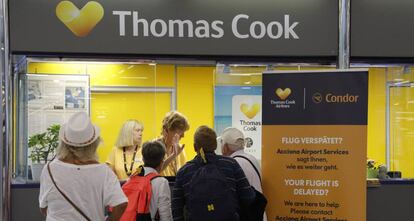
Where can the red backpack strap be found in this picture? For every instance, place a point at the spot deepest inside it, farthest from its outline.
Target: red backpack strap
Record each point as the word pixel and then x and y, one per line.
pixel 144 199
pixel 152 176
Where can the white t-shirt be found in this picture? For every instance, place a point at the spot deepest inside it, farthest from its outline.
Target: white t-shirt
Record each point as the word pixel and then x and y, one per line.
pixel 90 187
pixel 248 170
pixel 161 197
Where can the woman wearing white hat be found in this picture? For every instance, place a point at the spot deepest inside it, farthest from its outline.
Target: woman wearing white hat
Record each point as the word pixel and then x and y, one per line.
pixel 75 186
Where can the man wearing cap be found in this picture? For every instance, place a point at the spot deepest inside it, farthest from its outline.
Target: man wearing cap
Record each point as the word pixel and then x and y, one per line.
pixel 232 145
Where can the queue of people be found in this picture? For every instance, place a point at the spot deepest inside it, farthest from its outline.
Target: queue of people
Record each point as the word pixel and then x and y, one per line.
pixel 75 186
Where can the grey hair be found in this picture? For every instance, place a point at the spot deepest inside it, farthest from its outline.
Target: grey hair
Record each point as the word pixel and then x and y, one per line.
pixel 238 145
pixel 84 153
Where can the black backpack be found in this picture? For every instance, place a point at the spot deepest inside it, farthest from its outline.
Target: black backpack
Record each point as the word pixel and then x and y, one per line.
pixel 210 196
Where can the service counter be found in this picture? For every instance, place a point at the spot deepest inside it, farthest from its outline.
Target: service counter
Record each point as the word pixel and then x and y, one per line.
pixel 387 200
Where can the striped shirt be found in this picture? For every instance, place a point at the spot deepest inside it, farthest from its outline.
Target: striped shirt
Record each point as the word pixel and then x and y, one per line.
pixel 229 168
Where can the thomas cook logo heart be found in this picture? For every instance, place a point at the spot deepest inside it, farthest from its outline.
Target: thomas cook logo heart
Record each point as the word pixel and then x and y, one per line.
pixel 283 94
pixel 250 112
pixel 82 21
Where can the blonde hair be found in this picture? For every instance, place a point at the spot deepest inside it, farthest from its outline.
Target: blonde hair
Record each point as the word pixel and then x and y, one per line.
pixel 175 120
pixel 83 153
pixel 125 137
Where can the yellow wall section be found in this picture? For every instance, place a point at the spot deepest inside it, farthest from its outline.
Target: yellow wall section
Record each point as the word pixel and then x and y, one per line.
pixel 142 75
pixel 376 114
pixel 110 110
pixel 165 76
pixel 195 100
pixel 248 76
pixel 401 126
pixel 402 130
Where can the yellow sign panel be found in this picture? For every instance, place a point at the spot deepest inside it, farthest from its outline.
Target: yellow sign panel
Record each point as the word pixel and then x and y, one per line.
pixel 311 171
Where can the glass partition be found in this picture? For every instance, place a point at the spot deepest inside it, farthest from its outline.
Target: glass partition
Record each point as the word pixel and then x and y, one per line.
pixel 47 92
pixel 400 120
pixel 238 97
pixel 390 111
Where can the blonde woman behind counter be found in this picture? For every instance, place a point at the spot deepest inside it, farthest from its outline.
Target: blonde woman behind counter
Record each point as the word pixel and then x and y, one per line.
pixel 126 156
pixel 174 125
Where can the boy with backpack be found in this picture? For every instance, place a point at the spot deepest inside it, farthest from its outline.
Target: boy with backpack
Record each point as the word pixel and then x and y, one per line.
pixel 148 193
pixel 210 187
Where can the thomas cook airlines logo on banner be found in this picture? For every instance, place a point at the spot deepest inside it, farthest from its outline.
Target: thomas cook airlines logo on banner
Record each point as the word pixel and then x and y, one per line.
pixel 283 98
pixel 283 93
pixel 80 21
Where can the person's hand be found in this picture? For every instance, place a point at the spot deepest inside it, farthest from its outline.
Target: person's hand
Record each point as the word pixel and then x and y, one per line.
pixel 177 148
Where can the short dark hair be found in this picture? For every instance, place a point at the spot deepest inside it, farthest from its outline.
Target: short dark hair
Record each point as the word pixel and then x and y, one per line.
pixel 153 153
pixel 205 138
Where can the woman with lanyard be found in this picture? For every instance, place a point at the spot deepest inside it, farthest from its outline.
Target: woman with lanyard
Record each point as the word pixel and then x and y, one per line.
pixel 174 125
pixel 126 156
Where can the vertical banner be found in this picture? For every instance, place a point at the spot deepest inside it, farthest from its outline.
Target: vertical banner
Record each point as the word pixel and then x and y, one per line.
pixel 247 117
pixel 314 138
pixel 240 107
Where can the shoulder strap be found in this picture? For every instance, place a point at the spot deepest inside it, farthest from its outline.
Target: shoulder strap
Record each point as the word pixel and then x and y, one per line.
pixel 148 188
pixel 152 176
pixel 64 196
pixel 257 171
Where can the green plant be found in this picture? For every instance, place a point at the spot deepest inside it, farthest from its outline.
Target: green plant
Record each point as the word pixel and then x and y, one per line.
pixel 376 170
pixel 44 144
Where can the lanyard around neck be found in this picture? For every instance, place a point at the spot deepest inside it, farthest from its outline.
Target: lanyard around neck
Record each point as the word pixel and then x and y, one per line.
pixel 129 172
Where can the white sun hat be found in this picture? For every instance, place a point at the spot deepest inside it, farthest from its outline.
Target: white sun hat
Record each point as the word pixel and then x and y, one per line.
pixel 79 130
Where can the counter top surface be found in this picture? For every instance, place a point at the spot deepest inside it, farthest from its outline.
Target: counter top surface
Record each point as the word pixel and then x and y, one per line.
pixel 171 180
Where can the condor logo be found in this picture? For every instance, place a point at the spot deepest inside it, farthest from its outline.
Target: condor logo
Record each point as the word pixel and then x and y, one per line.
pixel 346 98
pixel 335 98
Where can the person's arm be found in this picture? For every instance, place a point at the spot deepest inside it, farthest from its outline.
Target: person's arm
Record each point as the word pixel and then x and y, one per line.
pixel 114 196
pixel 177 149
pixel 43 211
pixel 117 212
pixel 164 201
pixel 111 160
pixel 244 190
pixel 45 183
pixel 178 200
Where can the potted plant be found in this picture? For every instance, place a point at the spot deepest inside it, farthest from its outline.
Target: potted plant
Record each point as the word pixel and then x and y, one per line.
pixel 42 148
pixel 376 170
